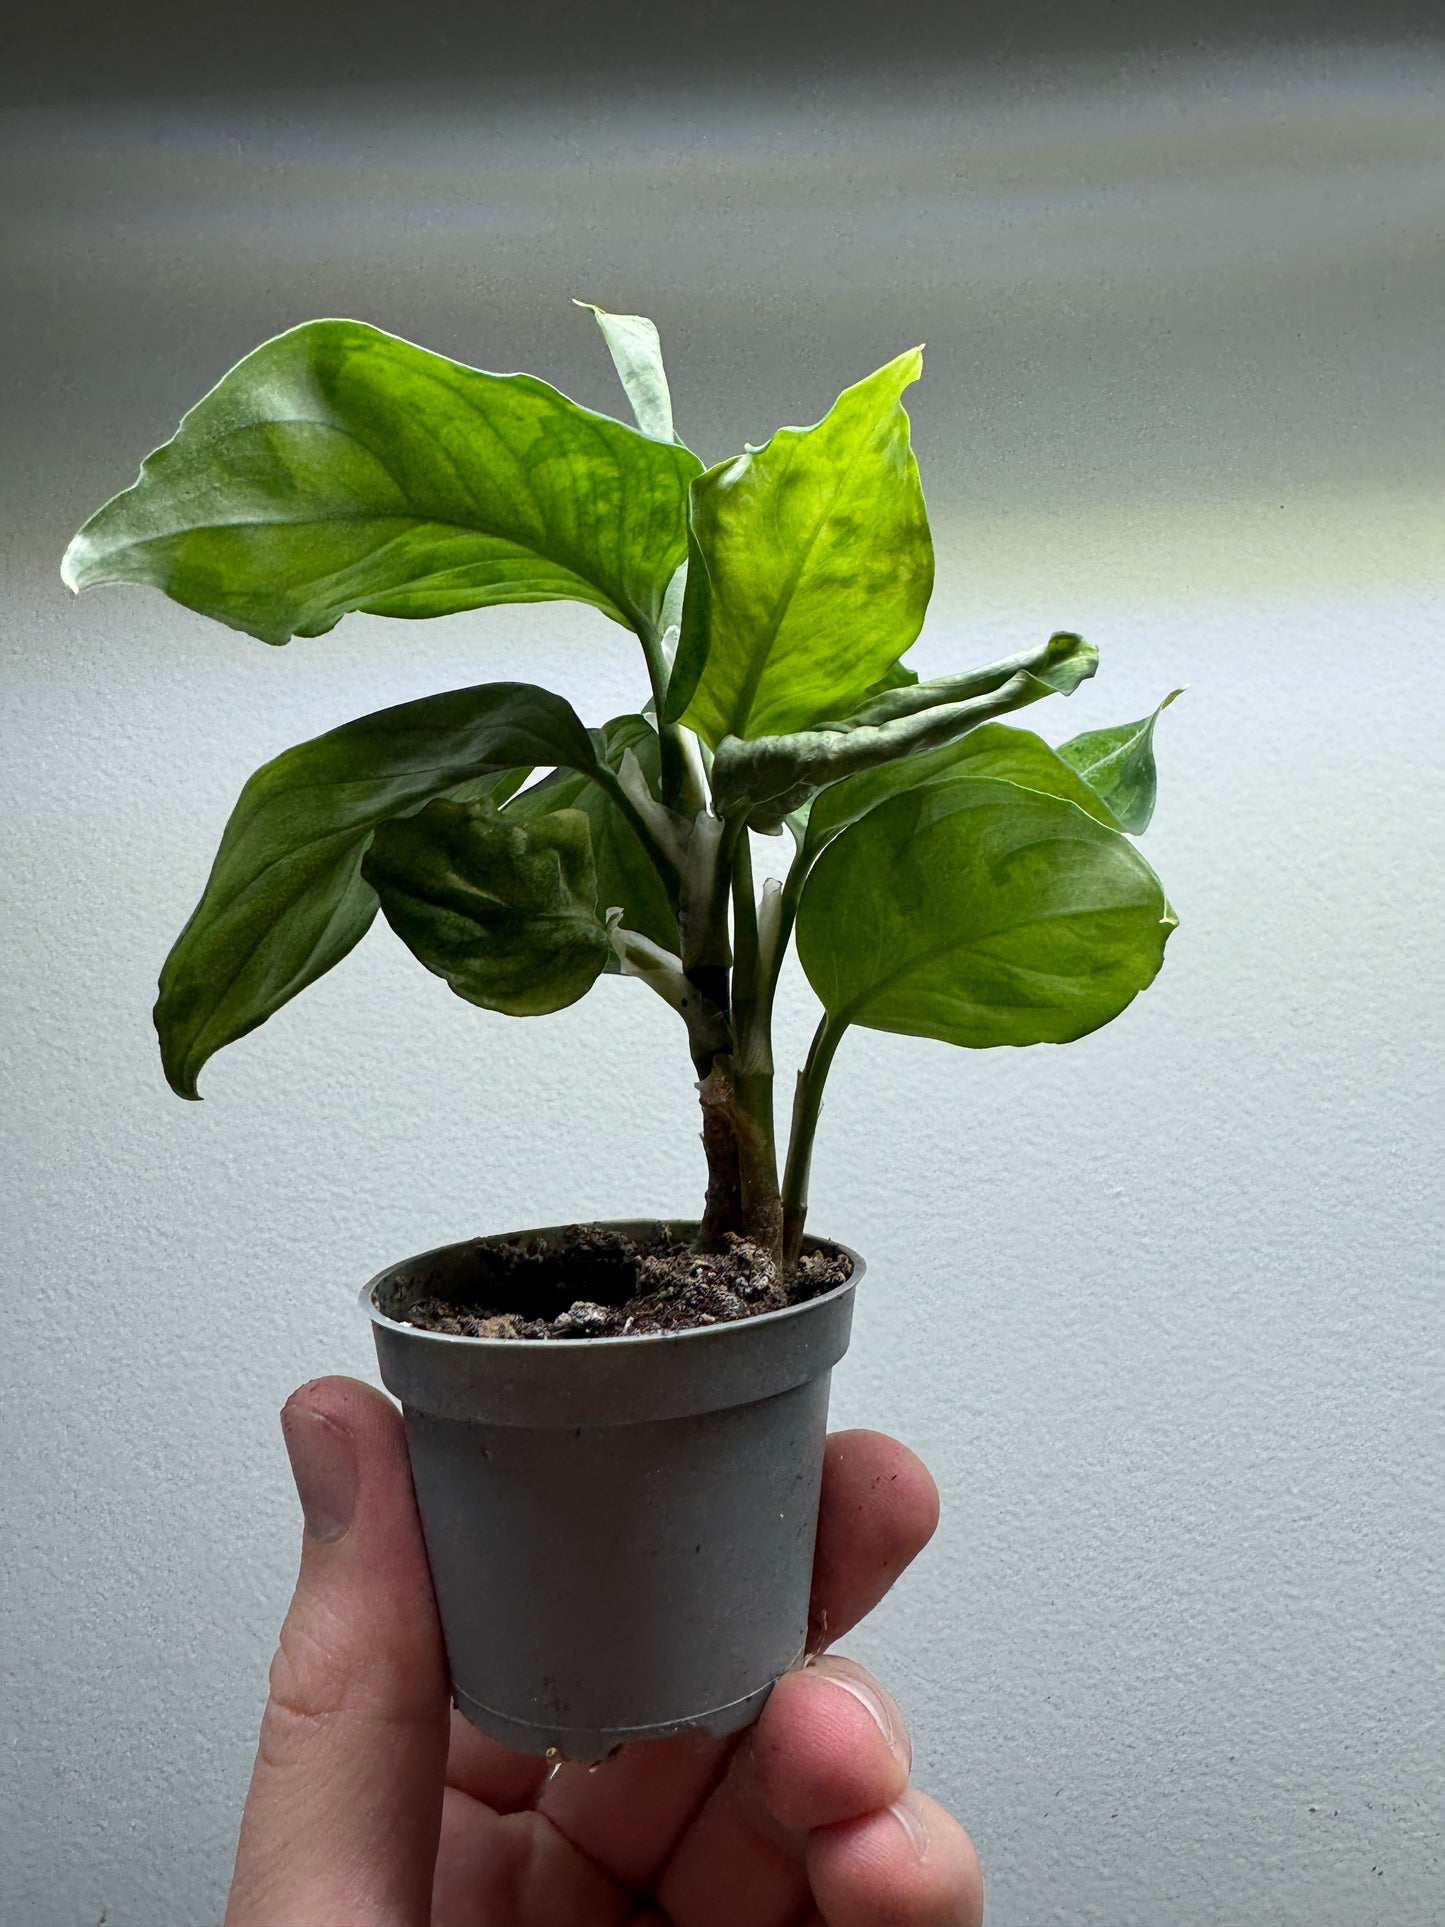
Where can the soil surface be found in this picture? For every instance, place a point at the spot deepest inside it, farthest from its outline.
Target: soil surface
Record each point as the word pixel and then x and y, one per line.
pixel 591 1282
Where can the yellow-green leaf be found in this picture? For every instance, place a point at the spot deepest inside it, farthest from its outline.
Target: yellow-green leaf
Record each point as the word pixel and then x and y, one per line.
pixel 810 568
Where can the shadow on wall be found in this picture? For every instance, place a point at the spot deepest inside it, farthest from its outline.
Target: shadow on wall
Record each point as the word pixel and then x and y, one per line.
pixel 1181 331
pixel 171 47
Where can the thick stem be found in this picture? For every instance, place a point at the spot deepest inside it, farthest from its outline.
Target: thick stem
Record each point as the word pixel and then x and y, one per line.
pixel 753 1064
pixel 702 919
pixel 807 1104
pixel 723 1209
pixel 736 1086
pixel 742 1191
pixel 758 1161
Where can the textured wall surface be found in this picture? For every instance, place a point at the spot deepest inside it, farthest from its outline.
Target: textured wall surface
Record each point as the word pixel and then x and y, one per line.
pixel 1163 1311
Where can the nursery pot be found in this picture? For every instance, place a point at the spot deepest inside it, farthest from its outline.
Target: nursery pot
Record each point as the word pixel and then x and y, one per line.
pixel 620 1530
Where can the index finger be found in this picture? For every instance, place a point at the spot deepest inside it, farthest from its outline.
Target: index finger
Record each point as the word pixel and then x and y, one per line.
pixel 879 1509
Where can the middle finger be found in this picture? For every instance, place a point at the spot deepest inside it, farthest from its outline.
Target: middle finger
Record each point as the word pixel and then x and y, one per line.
pixel 831 1746
pixel 879 1508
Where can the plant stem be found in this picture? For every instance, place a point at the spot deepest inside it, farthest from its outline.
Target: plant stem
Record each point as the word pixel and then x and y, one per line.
pixel 752 1066
pixel 807 1104
pixel 782 930
pixel 736 1083
pixel 754 1046
pixel 702 915
pixel 707 964
pixel 675 770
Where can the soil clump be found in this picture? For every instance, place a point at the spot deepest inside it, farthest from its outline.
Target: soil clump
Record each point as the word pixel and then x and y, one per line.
pixel 593 1282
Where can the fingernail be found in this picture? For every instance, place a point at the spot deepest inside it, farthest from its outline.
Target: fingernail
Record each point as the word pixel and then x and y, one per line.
pixel 909 1815
pixel 323 1464
pixel 852 1679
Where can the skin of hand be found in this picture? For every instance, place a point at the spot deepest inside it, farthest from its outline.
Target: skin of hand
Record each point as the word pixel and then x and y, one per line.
pixel 373 1804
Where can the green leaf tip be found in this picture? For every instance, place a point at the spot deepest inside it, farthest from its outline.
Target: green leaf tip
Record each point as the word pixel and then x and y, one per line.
pixel 1068 662
pixel 1118 764
pixel 636 351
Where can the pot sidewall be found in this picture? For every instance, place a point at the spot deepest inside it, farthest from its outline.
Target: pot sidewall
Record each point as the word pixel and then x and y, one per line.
pixel 620 1530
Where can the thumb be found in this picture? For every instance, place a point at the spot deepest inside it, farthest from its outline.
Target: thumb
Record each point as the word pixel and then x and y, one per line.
pixel 344 1810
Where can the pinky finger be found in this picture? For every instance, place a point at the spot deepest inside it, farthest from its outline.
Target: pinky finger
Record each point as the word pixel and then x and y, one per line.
pixel 908 1865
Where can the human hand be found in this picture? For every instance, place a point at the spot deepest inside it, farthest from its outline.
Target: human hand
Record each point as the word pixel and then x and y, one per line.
pixel 372 1804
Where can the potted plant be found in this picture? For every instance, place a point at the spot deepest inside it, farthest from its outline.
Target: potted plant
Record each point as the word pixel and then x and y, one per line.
pixel 616 1430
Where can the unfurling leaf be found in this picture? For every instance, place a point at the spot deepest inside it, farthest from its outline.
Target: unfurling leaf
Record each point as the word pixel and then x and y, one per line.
pixel 810 567
pixel 286 899
pixel 338 468
pixel 771 776
pixel 637 356
pixel 504 910
pixel 1118 764
pixel 981 914
pixel 1057 668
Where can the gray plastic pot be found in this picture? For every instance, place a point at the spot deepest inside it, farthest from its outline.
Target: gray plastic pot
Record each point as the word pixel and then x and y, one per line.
pixel 620 1530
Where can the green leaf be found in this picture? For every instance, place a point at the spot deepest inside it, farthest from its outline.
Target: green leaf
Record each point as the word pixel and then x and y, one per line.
pixel 771 776
pixel 627 879
pixel 338 468
pixel 995 752
pixel 503 909
pixel 506 786
pixel 1118 764
pixel 810 567
pixel 900 676
pixel 1056 669
pixel 637 356
pixel 981 914
pixel 286 899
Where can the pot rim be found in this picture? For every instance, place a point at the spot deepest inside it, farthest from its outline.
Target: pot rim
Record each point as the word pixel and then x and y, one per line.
pixel 591 1345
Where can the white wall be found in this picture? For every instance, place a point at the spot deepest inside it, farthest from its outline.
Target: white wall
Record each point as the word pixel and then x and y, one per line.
pixel 1162 1311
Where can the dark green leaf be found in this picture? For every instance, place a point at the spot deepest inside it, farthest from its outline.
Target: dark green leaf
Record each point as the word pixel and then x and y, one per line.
pixel 286 899
pixel 810 567
pixel 637 356
pixel 626 877
pixel 1118 763
pixel 771 776
pixel 981 914
pixel 504 909
pixel 506 786
pixel 338 468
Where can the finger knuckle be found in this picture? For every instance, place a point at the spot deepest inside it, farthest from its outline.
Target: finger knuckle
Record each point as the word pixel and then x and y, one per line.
pixel 307 1689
